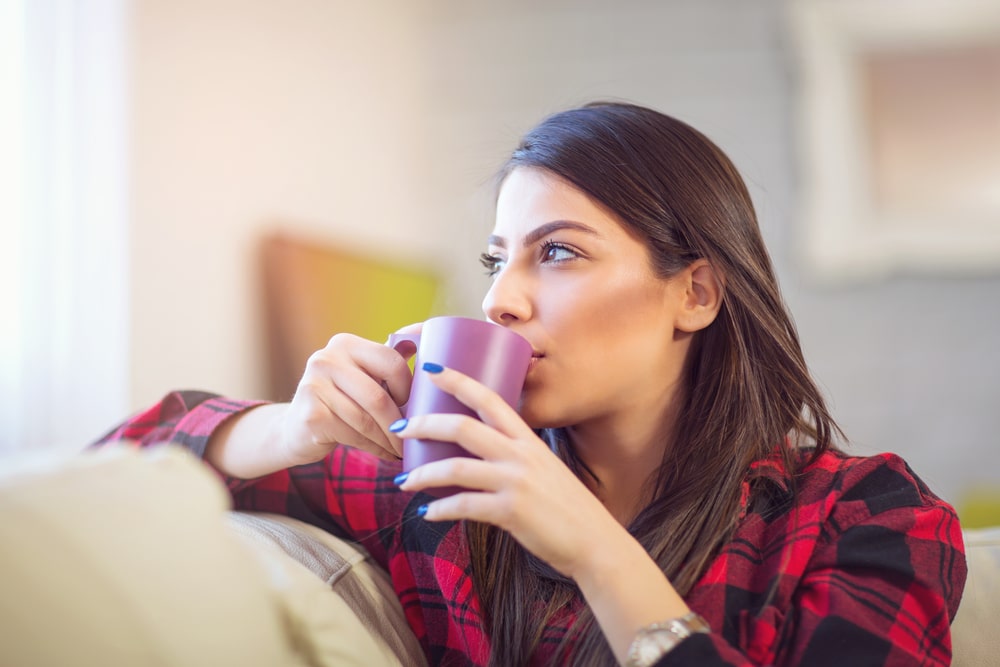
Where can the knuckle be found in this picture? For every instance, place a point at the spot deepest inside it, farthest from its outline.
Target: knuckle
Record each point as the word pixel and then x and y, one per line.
pixel 377 398
pixel 319 363
pixel 341 340
pixel 309 387
pixel 463 427
pixel 367 424
pixel 338 347
pixel 506 508
pixel 458 466
pixel 316 357
pixel 398 365
pixel 461 504
pixel 307 396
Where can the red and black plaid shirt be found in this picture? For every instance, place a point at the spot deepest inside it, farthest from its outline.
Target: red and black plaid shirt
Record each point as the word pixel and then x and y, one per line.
pixel 868 571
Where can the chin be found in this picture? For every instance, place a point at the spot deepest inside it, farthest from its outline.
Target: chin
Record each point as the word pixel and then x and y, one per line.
pixel 527 408
pixel 538 416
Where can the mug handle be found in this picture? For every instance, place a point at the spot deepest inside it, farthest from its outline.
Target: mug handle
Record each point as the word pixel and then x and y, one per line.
pixel 397 339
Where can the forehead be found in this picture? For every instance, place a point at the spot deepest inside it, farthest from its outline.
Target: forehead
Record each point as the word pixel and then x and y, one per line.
pixel 530 197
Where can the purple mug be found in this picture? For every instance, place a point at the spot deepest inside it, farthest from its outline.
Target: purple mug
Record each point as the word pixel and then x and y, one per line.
pixel 487 352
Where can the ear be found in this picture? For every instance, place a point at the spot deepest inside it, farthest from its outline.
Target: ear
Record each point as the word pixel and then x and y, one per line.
pixel 701 295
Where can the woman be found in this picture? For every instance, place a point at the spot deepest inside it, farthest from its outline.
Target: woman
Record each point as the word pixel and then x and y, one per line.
pixel 667 493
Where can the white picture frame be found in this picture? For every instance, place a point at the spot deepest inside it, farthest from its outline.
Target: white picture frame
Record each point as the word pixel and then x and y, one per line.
pixel 883 191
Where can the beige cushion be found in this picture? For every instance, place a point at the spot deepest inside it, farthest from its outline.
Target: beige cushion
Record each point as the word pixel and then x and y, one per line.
pixel 126 557
pixel 116 558
pixel 976 630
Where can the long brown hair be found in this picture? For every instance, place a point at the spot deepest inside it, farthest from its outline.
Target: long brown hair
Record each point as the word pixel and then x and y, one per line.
pixel 747 386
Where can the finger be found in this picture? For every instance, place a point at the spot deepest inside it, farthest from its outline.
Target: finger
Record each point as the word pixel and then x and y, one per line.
pixel 381 363
pixel 352 421
pixel 462 471
pixel 472 435
pixel 317 414
pixel 492 409
pixel 367 393
pixel 484 507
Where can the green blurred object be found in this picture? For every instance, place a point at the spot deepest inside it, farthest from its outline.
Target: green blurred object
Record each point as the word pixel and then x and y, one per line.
pixel 980 508
pixel 314 290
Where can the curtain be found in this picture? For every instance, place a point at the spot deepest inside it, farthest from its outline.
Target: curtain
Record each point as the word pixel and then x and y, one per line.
pixel 63 211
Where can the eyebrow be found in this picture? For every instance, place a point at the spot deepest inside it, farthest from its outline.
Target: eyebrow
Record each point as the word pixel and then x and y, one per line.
pixel 542 231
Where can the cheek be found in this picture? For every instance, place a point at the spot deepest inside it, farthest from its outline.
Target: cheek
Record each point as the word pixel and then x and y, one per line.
pixel 629 306
pixel 614 307
pixel 562 309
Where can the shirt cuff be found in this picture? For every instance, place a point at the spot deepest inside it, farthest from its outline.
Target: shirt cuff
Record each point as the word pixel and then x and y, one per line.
pixel 200 422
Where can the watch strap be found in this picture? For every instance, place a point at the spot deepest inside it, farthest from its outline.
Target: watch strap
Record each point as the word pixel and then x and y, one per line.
pixel 657 639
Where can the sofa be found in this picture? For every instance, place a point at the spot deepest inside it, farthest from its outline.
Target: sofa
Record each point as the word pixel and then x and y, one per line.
pixel 119 556
pixel 127 557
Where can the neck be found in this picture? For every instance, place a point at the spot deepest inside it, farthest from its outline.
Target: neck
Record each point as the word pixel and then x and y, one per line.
pixel 623 451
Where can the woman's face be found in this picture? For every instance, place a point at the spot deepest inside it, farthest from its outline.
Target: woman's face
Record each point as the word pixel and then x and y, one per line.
pixel 569 278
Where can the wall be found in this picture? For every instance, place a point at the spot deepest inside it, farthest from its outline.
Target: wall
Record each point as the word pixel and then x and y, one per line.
pixel 251 114
pixel 382 123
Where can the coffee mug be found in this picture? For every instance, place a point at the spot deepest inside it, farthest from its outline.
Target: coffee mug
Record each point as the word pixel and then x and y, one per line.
pixel 495 356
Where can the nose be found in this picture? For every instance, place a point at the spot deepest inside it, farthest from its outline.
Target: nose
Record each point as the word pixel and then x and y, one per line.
pixel 508 299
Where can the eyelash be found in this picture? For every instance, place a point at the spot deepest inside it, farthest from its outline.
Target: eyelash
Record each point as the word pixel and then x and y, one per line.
pixel 492 262
pixel 548 246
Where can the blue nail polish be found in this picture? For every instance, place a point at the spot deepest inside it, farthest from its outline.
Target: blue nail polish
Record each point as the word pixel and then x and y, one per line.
pixel 397 426
pixel 432 368
pixel 400 478
pixel 422 510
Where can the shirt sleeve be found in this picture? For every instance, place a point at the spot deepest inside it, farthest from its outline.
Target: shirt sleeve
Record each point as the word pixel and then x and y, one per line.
pixel 880 588
pixel 349 493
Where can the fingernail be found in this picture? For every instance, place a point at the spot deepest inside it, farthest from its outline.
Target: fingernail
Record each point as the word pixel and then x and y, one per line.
pixel 422 510
pixel 432 368
pixel 397 426
pixel 400 478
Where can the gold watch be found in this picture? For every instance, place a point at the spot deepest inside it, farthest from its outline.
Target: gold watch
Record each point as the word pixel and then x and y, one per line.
pixel 656 640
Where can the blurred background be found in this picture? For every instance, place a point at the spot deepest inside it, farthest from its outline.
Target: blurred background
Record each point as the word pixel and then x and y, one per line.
pixel 150 147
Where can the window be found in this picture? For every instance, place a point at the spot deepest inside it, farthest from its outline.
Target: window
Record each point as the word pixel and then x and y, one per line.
pixel 63 211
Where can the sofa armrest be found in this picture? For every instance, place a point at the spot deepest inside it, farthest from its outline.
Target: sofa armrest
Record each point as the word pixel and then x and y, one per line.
pixel 363 623
pixel 975 640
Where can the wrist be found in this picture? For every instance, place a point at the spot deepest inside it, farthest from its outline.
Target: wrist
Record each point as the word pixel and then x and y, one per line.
pixel 609 555
pixel 625 589
pixel 249 444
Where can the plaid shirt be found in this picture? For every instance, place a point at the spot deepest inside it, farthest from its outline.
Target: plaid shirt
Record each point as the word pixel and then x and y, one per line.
pixel 868 571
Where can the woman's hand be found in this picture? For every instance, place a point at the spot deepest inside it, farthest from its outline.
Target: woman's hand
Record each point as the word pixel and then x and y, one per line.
pixel 517 484
pixel 522 487
pixel 349 394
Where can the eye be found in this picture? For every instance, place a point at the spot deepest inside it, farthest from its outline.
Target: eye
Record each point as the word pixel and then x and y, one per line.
pixel 493 263
pixel 557 252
